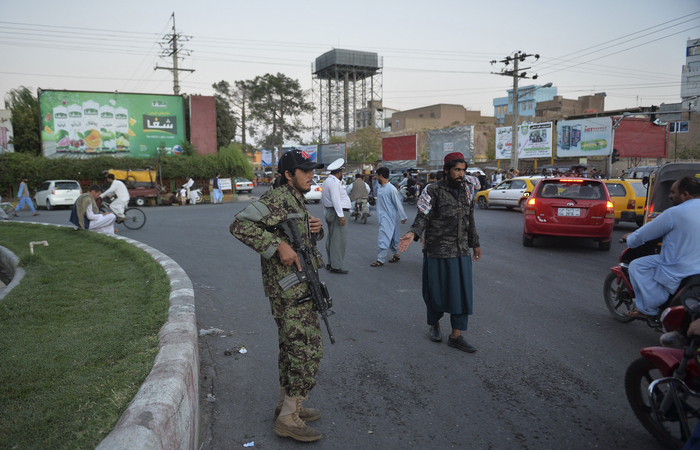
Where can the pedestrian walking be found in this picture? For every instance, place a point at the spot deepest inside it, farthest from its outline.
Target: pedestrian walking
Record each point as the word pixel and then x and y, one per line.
pixel 183 196
pixel 217 195
pixel 446 214
pixel 300 340
pixel 389 213
pixel 24 198
pixel 337 204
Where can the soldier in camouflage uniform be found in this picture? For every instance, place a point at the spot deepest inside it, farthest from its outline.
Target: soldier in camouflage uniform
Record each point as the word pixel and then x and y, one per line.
pixel 446 214
pixel 300 341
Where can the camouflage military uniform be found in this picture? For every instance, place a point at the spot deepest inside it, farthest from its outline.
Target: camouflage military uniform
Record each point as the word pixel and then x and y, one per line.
pixel 300 341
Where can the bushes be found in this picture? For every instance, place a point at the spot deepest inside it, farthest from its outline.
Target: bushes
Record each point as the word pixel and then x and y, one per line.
pixel 230 162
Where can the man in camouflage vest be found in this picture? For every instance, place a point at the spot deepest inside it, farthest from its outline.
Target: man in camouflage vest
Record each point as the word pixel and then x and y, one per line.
pixel 300 340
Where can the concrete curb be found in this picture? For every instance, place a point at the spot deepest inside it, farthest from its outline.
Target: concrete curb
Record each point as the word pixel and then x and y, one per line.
pixel 164 414
pixel 10 261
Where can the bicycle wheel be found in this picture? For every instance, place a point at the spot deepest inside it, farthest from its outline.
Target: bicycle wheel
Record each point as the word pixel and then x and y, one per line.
pixel 9 210
pixel 130 181
pixel 134 218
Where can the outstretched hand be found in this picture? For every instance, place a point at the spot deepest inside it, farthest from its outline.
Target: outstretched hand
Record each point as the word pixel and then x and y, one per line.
pixel 406 240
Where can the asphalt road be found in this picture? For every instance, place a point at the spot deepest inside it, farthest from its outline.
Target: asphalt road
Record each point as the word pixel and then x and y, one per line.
pixel 548 373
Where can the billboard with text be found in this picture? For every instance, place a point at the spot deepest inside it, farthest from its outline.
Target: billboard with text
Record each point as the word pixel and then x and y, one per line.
pixel 584 137
pixel 534 141
pixel 76 124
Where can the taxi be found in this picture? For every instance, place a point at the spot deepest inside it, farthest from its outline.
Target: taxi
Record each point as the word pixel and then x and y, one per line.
pixel 629 197
pixel 511 193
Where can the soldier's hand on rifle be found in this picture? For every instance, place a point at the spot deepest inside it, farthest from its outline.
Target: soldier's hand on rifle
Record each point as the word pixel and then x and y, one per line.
pixel 288 256
pixel 315 224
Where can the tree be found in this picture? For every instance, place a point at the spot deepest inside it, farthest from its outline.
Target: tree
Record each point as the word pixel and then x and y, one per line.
pixel 367 146
pixel 276 102
pixel 225 117
pixel 25 120
pixel 241 99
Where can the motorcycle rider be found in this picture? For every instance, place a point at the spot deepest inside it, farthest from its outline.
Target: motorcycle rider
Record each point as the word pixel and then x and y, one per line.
pixel 358 190
pixel 654 277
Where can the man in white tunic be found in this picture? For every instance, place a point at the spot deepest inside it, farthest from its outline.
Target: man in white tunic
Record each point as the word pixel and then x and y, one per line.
pixel 86 214
pixel 119 204
pixel 337 205
pixel 188 186
pixel 389 213
pixel 655 277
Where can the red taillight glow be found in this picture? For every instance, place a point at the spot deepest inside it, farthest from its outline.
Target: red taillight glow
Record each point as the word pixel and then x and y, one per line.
pixel 571 181
pixel 672 318
pixel 611 206
pixel 611 210
pixel 53 191
pixel 530 206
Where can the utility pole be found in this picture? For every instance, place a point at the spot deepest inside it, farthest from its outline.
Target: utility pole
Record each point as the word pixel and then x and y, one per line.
pixel 516 74
pixel 170 48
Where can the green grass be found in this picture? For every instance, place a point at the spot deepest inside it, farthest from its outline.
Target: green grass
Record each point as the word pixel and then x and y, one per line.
pixel 77 337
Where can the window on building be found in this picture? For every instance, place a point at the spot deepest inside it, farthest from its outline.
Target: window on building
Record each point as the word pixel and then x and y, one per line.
pixel 498 110
pixel 397 124
pixel 529 106
pixel 432 114
pixel 524 105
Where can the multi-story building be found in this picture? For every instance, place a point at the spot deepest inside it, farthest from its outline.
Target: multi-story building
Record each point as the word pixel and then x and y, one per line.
pixel 560 107
pixel 528 97
pixel 436 116
pixel 690 78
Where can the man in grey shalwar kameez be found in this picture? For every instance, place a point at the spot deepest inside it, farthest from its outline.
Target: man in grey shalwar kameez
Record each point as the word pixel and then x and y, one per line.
pixel 446 214
pixel 389 213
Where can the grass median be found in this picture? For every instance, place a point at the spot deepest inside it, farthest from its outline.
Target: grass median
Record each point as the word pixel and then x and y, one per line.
pixel 77 337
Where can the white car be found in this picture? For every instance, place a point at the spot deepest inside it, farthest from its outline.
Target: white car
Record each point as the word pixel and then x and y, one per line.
pixel 55 193
pixel 314 195
pixel 243 185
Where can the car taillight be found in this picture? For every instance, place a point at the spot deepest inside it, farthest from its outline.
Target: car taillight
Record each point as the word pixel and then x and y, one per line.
pixel 611 211
pixel 672 318
pixel 53 191
pixel 530 207
pixel 631 204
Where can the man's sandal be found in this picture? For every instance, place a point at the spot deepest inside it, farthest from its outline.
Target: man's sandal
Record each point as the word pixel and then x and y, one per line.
pixel 395 258
pixel 376 264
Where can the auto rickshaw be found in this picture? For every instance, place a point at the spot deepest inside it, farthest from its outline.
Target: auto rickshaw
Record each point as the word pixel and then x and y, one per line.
pixel 659 184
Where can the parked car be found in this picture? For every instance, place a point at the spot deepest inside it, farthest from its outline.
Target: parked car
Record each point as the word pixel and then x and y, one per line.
pixel 511 193
pixel 569 206
pixel 314 195
pixel 55 193
pixel 243 185
pixel 629 197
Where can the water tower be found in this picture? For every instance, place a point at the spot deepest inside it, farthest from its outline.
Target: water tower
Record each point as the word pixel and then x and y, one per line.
pixel 347 84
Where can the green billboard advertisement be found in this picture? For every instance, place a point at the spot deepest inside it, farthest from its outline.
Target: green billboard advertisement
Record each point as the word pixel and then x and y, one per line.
pixel 77 124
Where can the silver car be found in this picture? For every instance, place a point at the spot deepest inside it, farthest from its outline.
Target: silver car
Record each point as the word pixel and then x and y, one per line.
pixel 55 193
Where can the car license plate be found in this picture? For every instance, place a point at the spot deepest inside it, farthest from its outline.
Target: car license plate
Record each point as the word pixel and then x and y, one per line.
pixel 570 212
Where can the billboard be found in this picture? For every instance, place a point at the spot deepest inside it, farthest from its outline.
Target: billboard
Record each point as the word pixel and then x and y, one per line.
pixel 534 141
pixel 76 124
pixel 584 137
pixel 331 152
pixel 448 140
pixel 6 131
pixel 640 138
pixel 310 151
pixel 399 152
pixel 203 124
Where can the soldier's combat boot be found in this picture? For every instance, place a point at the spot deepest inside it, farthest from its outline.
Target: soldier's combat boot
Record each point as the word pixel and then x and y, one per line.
pixel 305 414
pixel 288 423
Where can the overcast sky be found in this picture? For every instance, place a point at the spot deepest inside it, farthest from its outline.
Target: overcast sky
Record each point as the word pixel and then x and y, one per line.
pixel 433 51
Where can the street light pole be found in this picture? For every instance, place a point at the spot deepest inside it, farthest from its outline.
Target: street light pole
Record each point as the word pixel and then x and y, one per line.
pixel 514 131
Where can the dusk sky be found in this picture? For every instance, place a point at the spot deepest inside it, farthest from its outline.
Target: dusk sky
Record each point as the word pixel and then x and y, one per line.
pixel 432 52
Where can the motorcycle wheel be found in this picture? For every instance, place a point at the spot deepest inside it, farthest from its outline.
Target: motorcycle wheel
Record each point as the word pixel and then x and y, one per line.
pixel 640 374
pixel 617 299
pixel 364 218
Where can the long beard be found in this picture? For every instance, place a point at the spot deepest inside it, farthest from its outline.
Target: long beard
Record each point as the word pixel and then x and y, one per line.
pixel 301 189
pixel 453 183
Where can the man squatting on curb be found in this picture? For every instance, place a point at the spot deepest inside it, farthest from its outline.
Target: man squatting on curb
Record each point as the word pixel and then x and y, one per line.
pixel 300 341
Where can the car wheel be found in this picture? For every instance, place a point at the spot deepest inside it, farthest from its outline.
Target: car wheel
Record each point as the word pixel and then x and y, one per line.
pixel 528 241
pixel 140 201
pixel 523 205
pixel 48 205
pixel 604 246
pixel 483 203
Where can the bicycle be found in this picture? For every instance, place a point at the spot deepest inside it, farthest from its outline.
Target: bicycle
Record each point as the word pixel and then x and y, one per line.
pixel 9 210
pixel 134 218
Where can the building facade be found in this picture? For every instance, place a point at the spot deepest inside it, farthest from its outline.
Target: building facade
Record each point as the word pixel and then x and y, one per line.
pixel 528 98
pixel 690 78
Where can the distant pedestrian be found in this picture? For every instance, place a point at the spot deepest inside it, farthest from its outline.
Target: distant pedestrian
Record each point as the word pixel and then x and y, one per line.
pixel 389 213
pixel 337 204
pixel 188 186
pixel 183 196
pixel 24 199
pixel 217 195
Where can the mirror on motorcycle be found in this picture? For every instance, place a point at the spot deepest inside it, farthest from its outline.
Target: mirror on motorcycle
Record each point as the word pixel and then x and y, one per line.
pixel 692 305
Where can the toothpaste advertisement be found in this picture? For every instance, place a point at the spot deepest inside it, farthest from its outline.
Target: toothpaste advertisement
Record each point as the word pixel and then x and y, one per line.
pixel 84 124
pixel 585 137
pixel 534 141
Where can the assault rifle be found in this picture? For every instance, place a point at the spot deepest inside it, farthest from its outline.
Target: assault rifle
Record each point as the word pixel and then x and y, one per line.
pixel 319 291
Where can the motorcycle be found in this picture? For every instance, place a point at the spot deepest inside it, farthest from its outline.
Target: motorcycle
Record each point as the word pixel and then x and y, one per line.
pixel 409 195
pixel 197 196
pixel 361 210
pixel 662 386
